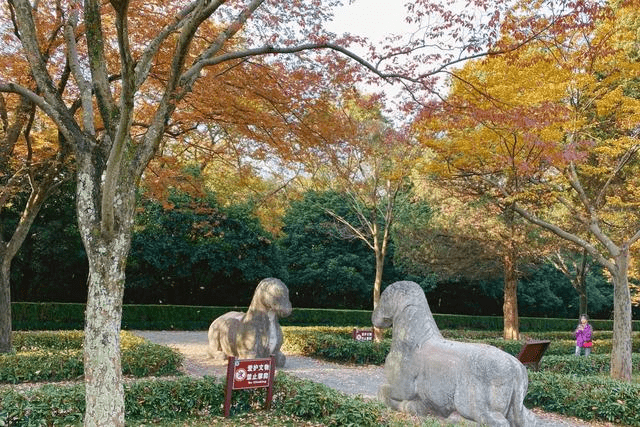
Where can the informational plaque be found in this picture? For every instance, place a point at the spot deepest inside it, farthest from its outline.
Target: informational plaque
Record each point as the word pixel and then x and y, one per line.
pixel 362 335
pixel 249 373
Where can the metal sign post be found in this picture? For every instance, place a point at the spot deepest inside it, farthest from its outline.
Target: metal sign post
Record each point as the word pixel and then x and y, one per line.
pixel 244 374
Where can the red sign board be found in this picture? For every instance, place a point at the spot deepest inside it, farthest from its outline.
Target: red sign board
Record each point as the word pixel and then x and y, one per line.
pixel 532 352
pixel 362 335
pixel 249 373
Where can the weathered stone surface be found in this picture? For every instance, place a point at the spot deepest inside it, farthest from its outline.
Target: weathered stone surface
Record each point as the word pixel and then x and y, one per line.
pixel 256 333
pixel 427 374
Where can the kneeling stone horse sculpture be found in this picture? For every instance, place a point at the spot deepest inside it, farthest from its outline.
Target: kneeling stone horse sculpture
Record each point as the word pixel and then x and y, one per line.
pixel 426 373
pixel 256 333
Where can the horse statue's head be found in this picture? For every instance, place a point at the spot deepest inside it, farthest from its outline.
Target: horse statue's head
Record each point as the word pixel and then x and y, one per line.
pixel 403 304
pixel 272 295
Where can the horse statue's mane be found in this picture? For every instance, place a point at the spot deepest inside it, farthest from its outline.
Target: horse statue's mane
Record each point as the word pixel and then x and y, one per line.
pixel 427 374
pixel 256 333
pixel 271 296
pixel 409 307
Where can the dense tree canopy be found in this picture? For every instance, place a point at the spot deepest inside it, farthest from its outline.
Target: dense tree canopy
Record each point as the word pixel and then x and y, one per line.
pixel 198 253
pixel 325 268
pixel 552 131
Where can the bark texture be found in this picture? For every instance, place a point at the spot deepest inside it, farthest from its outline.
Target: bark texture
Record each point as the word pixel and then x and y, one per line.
pixel 107 249
pixel 5 309
pixel 510 305
pixel 621 351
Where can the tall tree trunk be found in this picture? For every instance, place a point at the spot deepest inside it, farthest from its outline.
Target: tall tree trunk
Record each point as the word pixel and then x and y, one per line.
pixel 5 305
pixel 377 286
pixel 510 306
pixel 102 366
pixel 583 298
pixel 9 250
pixel 621 364
pixel 580 283
pixel 107 246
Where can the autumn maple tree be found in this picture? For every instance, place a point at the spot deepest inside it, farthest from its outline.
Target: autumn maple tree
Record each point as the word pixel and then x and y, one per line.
pixel 34 161
pixel 552 130
pixel 132 69
pixel 472 237
pixel 363 155
pixel 126 70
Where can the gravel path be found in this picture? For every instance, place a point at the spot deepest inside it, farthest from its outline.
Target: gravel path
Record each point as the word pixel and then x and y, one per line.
pixel 361 380
pixel 346 378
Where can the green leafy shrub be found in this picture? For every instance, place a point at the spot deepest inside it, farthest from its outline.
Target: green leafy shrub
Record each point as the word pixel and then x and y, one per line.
pixel 597 364
pixel 149 359
pixel 40 357
pixel 586 397
pixel 171 399
pixel 316 402
pixel 156 400
pixel 59 316
pixel 334 343
pixel 59 340
pixel 41 365
pixel 48 405
pixel 560 347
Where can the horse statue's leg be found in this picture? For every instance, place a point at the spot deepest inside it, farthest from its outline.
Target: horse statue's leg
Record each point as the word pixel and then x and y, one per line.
pixel 222 334
pixel 214 348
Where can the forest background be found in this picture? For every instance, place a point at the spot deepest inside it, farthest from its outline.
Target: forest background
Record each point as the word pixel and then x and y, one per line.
pixel 195 251
pixel 516 146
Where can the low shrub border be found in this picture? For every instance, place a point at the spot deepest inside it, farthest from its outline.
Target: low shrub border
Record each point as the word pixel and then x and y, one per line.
pixel 586 397
pixel 164 400
pixel 61 316
pixel 590 398
pixel 39 357
pixel 556 388
pixel 335 343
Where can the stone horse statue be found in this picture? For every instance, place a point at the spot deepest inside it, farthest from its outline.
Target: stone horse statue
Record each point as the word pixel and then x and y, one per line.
pixel 426 373
pixel 256 333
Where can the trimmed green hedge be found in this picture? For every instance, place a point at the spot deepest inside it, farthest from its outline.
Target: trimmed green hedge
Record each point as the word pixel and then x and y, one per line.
pixel 40 357
pixel 65 316
pixel 587 397
pixel 166 400
pixel 335 343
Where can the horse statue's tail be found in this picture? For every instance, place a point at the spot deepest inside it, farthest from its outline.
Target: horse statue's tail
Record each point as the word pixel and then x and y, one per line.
pixel 519 415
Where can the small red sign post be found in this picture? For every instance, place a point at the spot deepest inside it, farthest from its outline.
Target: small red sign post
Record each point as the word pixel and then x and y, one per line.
pixel 249 373
pixel 362 335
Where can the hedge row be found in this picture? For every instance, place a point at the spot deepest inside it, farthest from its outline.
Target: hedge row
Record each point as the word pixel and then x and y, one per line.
pixel 166 400
pixel 587 397
pixel 64 316
pixel 335 343
pixel 569 385
pixel 40 357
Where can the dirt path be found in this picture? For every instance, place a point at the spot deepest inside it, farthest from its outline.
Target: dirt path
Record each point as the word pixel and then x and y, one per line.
pixel 361 380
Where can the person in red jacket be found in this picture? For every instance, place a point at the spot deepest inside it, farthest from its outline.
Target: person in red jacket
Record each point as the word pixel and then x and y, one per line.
pixel 583 336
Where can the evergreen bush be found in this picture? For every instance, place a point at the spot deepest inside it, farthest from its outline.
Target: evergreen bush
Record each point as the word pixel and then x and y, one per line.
pixel 61 316
pixel 586 397
pixel 40 357
pixel 166 400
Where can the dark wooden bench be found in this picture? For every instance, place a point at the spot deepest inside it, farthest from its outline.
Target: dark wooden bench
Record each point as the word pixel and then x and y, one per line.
pixel 532 353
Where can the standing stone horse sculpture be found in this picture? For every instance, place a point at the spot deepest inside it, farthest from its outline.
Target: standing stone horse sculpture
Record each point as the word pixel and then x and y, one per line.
pixel 426 373
pixel 256 333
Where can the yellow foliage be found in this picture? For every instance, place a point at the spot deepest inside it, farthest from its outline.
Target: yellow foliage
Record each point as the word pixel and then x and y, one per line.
pixel 514 125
